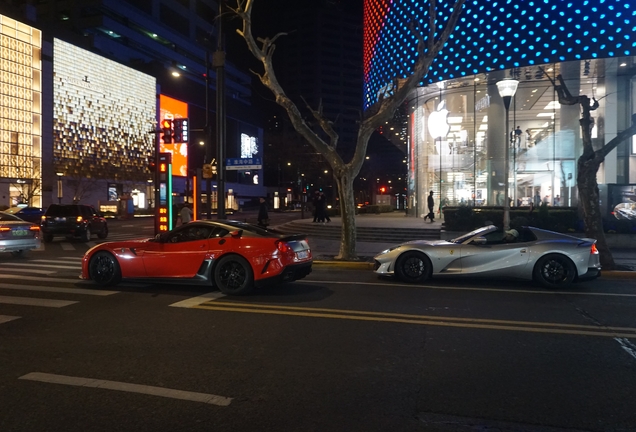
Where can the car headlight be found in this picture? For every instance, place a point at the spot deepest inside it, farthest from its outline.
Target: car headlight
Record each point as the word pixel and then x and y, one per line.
pixel 386 251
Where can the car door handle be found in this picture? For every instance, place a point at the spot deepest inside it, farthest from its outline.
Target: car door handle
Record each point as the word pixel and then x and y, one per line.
pixel 523 251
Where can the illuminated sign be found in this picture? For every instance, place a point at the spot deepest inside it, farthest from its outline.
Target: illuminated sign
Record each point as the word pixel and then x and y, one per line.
pixel 173 109
pixel 163 215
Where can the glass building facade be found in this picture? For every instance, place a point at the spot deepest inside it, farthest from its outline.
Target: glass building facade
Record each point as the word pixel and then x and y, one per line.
pixel 456 128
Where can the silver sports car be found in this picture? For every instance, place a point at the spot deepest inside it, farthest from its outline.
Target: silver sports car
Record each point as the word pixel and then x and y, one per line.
pixel 552 259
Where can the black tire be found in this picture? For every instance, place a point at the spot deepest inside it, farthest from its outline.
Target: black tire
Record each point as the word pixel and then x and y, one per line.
pixel 413 267
pixel 554 271
pixel 48 238
pixel 86 235
pixel 103 233
pixel 233 275
pixel 104 269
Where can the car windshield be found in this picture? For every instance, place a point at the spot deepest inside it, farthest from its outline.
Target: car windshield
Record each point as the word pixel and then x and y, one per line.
pixel 57 210
pixel 478 231
pixel 4 217
pixel 248 227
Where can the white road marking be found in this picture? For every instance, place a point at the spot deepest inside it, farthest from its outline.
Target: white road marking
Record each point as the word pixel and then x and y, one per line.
pixel 75 267
pixel 28 301
pixel 452 288
pixel 58 261
pixel 83 291
pixel 195 301
pixel 127 387
pixel 31 271
pixel 127 226
pixel 67 246
pixel 7 318
pixel 629 347
pixel 42 279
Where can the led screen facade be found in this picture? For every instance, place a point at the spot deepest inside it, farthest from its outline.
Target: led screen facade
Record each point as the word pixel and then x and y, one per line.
pixel 173 109
pixel 20 112
pixel 102 115
pixel 493 35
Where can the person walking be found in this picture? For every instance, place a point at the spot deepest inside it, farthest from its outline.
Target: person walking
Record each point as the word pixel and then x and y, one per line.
pixel 430 202
pixel 325 214
pixel 185 214
pixel 263 216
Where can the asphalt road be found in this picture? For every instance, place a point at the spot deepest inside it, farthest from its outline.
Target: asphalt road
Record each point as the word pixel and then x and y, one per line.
pixel 339 351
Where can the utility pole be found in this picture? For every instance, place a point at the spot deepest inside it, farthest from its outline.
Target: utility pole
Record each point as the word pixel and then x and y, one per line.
pixel 208 133
pixel 218 62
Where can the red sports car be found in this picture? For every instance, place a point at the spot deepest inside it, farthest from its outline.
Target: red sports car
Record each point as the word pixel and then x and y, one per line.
pixel 231 255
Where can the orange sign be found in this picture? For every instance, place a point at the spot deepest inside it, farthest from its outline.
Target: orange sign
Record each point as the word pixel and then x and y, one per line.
pixel 172 109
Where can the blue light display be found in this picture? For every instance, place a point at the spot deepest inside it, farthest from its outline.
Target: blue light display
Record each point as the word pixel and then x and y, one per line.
pixel 494 35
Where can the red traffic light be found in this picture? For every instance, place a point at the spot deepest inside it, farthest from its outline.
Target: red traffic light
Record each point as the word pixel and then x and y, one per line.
pixel 382 189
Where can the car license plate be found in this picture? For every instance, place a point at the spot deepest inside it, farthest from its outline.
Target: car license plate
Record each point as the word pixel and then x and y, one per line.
pixel 302 254
pixel 20 232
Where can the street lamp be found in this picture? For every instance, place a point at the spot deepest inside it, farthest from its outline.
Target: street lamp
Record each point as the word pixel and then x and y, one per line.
pixel 507 89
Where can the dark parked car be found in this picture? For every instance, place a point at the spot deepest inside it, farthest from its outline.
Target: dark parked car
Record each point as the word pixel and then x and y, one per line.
pixel 72 220
pixel 29 214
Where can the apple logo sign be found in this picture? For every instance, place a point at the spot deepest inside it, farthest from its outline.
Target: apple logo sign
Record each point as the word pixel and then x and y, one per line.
pixel 438 121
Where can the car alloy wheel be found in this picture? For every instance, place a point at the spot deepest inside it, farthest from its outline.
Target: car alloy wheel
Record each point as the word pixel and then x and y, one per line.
pixel 86 235
pixel 104 232
pixel 104 269
pixel 554 271
pixel 413 267
pixel 233 275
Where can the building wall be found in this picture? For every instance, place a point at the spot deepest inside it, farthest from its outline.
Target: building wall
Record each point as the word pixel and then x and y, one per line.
pixel 20 113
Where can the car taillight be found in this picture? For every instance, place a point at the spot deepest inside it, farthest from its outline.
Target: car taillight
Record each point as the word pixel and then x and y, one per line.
pixel 34 228
pixel 79 219
pixel 43 218
pixel 283 247
pixel 4 229
pixel 594 250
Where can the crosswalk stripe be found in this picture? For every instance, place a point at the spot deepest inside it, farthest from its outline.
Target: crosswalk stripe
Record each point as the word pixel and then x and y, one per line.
pixel 28 301
pixel 59 261
pixel 195 301
pixel 7 318
pixel 67 246
pixel 42 279
pixel 77 267
pixel 31 271
pixel 83 291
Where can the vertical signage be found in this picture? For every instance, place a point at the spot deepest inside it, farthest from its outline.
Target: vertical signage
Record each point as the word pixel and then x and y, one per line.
pixel 163 216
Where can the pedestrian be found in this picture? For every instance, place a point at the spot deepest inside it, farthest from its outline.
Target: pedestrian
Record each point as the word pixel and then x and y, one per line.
pixel 537 199
pixel 316 202
pixel 518 133
pixel 325 214
pixel 263 216
pixel 430 202
pixel 185 214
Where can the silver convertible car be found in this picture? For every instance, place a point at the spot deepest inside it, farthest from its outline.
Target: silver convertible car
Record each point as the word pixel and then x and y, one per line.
pixel 552 259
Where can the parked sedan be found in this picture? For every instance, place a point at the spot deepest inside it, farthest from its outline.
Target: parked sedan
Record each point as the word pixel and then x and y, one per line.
pixel 29 214
pixel 552 259
pixel 17 236
pixel 231 255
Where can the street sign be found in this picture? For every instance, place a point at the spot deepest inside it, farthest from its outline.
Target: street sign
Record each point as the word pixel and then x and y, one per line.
pixel 243 163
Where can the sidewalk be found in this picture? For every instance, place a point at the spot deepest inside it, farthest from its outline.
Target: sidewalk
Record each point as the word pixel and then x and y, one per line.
pixel 325 250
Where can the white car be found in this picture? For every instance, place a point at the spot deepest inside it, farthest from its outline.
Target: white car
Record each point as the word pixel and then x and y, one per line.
pixel 552 259
pixel 18 236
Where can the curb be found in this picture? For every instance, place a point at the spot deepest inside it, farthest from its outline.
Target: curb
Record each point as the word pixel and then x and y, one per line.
pixel 345 264
pixel 618 274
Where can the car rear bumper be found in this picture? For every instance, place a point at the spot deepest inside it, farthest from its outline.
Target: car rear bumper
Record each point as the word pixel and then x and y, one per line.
pixel 63 230
pixel 592 273
pixel 290 273
pixel 18 245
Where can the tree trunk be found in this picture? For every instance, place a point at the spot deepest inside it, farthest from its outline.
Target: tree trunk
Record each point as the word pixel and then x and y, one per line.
pixel 588 191
pixel 344 181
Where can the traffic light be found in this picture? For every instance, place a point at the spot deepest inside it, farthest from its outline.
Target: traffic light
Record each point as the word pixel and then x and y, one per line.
pixel 166 129
pixel 180 134
pixel 152 164
pixel 382 189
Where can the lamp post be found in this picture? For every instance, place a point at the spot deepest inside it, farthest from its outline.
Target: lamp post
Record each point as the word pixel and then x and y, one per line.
pixel 507 89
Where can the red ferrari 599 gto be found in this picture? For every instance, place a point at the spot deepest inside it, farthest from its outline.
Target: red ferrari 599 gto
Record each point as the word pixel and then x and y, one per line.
pixel 231 255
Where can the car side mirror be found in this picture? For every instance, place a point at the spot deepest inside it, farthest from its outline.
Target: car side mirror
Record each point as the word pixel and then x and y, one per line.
pixel 479 241
pixel 236 234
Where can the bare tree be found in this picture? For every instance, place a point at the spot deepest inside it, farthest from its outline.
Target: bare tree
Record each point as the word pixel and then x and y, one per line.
pixel 80 177
pixel 429 46
pixel 588 165
pixel 26 170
